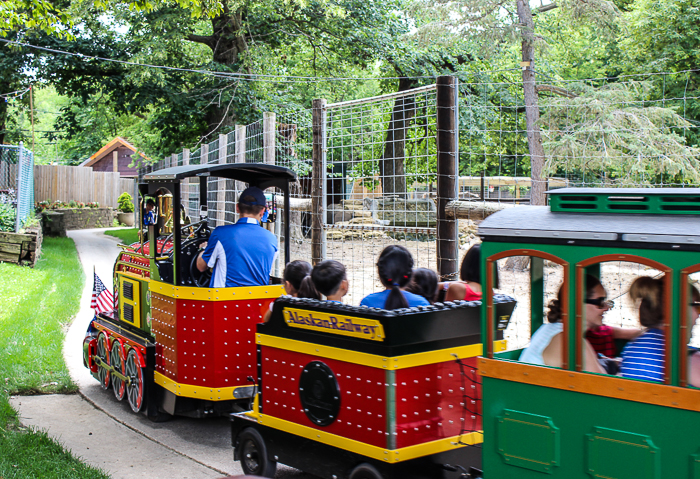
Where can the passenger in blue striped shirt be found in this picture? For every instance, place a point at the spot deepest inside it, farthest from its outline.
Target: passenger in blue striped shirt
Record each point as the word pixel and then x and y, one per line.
pixel 694 359
pixel 643 358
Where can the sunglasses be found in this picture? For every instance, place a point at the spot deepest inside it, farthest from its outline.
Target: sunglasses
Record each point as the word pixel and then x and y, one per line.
pixel 601 302
pixel 696 305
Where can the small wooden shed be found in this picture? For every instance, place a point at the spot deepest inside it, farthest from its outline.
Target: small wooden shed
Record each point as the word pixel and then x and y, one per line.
pixel 115 156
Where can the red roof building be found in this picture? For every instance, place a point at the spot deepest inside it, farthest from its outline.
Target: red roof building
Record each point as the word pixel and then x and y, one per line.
pixel 115 156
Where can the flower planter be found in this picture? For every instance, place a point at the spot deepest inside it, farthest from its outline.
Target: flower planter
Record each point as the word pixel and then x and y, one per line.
pixel 126 218
pixel 56 222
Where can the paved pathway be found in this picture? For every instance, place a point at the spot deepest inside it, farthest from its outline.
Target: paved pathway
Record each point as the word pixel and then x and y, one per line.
pixel 104 432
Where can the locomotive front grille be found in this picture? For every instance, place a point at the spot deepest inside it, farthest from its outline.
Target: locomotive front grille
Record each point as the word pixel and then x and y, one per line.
pixel 129 291
pixel 129 313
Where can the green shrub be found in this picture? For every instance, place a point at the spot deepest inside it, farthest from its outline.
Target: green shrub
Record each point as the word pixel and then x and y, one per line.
pixel 125 202
pixel 8 215
pixel 72 204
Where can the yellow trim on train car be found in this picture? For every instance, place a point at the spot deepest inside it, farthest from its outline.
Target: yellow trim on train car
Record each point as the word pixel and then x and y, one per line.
pixel 334 323
pixel 217 294
pixel 368 450
pixel 134 302
pixel 200 392
pixel 135 276
pixel 373 360
pixel 593 384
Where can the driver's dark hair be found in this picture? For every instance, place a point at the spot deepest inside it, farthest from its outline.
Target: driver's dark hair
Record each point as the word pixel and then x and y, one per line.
pixel 249 209
pixel 295 272
pixel 327 276
pixel 395 268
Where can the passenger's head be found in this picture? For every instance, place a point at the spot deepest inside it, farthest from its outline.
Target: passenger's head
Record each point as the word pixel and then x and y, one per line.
pixel 596 303
pixel 470 271
pixel 649 292
pixel 424 283
pixel 395 266
pixel 252 202
pixel 150 204
pixel 329 278
pixel 294 274
pixel 694 303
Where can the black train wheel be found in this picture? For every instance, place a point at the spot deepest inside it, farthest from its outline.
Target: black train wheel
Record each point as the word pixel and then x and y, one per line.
pixel 365 471
pixel 252 453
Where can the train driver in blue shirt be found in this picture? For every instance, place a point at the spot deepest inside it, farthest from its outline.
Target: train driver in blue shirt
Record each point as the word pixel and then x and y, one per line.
pixel 242 254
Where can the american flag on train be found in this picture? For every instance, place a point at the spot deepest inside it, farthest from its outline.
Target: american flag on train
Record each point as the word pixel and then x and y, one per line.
pixel 102 298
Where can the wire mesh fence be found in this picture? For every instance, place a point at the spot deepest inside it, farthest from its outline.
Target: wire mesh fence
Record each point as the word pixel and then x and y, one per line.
pixel 17 182
pixel 379 162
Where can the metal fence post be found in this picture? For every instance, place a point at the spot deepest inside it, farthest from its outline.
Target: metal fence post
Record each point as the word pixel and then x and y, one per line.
pixel 185 187
pixel 318 182
pixel 18 220
pixel 269 134
pixel 447 168
pixel 221 187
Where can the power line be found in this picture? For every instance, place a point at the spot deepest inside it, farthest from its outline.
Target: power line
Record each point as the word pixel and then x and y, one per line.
pixel 239 76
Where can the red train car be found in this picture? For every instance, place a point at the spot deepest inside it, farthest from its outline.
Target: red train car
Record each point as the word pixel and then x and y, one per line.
pixel 363 393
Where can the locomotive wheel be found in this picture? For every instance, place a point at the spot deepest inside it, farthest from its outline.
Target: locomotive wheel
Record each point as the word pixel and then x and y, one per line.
pixel 253 454
pixel 365 471
pixel 115 360
pixel 135 388
pixel 103 374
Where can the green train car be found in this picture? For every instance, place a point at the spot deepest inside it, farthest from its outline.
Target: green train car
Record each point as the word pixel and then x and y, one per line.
pixel 542 421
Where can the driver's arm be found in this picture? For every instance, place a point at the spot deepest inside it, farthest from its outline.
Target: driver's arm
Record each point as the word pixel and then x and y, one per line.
pixel 201 263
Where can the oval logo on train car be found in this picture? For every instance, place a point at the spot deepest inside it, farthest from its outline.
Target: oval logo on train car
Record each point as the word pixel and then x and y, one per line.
pixel 335 323
pixel 319 393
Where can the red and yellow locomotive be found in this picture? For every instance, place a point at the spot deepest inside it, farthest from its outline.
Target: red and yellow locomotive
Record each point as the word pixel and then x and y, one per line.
pixel 173 345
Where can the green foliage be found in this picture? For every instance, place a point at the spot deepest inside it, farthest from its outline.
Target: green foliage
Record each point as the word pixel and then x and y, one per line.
pixel 32 360
pixel 610 130
pixel 128 236
pixel 8 216
pixel 125 203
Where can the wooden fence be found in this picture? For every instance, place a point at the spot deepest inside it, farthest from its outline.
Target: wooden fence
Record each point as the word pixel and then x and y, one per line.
pixel 79 183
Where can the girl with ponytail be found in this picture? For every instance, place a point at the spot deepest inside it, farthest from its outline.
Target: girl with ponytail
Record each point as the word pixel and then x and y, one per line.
pixel 643 358
pixel 395 268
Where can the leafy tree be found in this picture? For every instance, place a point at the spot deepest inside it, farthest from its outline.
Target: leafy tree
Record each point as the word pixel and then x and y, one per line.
pixel 609 130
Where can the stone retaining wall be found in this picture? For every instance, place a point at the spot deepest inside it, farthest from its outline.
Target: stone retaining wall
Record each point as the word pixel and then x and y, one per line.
pixel 21 248
pixel 57 222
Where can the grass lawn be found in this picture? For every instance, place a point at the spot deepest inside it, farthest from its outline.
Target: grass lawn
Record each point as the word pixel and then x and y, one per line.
pixel 128 236
pixel 36 306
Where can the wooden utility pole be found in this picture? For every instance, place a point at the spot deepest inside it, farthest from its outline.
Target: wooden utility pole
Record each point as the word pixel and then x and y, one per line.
pixel 532 111
pixel 31 111
pixel 318 206
pixel 447 168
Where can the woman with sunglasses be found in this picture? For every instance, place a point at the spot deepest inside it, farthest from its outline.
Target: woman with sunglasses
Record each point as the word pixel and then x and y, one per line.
pixel 547 342
pixel 643 358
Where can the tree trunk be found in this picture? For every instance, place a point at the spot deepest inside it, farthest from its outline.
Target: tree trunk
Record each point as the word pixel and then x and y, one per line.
pixel 227 42
pixel 532 112
pixel 3 121
pixel 391 166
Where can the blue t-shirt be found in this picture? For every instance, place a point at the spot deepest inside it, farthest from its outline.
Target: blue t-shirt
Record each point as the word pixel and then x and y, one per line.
pixel 378 300
pixel 643 358
pixel 241 254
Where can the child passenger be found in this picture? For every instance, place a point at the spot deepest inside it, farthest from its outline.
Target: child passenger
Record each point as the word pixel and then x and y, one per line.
pixel 469 289
pixel 294 274
pixel 643 358
pixel 327 278
pixel 424 283
pixel 395 268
